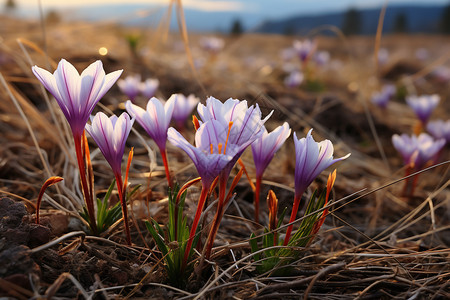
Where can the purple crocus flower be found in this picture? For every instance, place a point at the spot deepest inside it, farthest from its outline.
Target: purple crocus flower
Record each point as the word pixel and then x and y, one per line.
pixel 77 94
pixel 304 49
pixel 311 158
pixel 382 98
pixel 226 129
pixel 294 79
pixel 322 58
pixel 155 119
pixel 423 105
pixel 417 150
pixel 130 86
pixel 264 148
pixel 439 129
pixel 183 108
pixel 148 88
pixel 110 134
pixel 244 123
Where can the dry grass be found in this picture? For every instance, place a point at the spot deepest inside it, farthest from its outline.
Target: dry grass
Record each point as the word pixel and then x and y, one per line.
pixel 374 244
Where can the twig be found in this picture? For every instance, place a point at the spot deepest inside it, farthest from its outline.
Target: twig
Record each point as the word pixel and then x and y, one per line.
pixel 322 273
pixel 57 241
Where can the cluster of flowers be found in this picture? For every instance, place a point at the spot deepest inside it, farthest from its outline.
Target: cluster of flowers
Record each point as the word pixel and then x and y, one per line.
pixel 223 133
pixel 419 149
pixel 132 86
pixel 304 51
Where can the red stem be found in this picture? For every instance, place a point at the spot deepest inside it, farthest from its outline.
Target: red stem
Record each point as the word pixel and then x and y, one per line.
pixel 218 216
pixel 413 185
pixel 408 172
pixel 297 199
pixel 166 167
pixel 84 185
pixel 123 202
pixel 257 193
pixel 201 203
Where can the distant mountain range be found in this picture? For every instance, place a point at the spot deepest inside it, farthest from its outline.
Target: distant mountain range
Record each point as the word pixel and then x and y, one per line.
pixel 416 19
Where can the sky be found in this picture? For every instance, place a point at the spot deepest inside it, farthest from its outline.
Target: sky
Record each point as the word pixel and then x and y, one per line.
pixel 271 7
pixel 250 12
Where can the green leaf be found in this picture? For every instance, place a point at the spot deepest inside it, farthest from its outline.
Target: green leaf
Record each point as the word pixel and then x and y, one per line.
pixel 254 246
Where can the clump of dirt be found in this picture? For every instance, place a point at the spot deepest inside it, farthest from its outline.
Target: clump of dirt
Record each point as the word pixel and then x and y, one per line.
pixel 17 236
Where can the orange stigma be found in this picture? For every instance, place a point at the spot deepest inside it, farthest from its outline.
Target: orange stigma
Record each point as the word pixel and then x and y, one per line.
pixel 228 135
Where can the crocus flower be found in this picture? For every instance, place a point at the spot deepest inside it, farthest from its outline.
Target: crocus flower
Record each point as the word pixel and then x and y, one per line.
pixel 311 158
pixel 155 120
pixel 263 150
pixel 382 98
pixel 244 123
pixel 183 108
pixel 77 94
pixel 211 154
pixel 304 49
pixel 265 147
pixel 212 44
pixel 439 129
pixel 110 134
pixel 322 58
pixel 148 87
pixel 423 105
pixel 226 130
pixel 130 86
pixel 417 150
pixel 294 79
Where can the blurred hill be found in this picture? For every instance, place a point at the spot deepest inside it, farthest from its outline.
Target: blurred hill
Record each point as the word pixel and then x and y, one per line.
pixel 407 18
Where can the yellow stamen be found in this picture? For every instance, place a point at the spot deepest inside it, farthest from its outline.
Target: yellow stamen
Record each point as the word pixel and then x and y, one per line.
pixel 211 147
pixel 220 148
pixel 228 135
